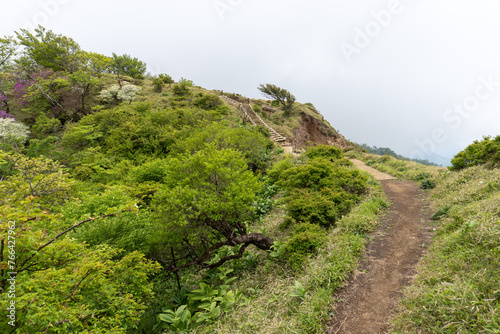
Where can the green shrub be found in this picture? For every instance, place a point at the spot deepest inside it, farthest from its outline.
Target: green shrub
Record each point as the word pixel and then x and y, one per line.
pixel 251 144
pixel 153 171
pixel 167 79
pixel 186 82
pixel 318 174
pixel 158 85
pixel 265 131
pixel 181 89
pixel 129 231
pixel 319 192
pixel 324 151
pixel 311 206
pixel 312 107
pixel 485 152
pixel 276 172
pixel 428 184
pixel 208 102
pixel 322 207
pixel 422 176
pixel 305 240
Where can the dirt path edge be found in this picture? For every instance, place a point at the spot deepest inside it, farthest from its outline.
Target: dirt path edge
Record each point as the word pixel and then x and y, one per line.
pixel 367 303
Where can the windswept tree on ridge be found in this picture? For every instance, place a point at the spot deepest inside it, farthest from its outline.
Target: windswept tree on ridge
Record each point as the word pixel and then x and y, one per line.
pixel 284 97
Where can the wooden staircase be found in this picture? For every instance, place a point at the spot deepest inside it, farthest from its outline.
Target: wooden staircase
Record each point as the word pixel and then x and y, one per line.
pixel 255 119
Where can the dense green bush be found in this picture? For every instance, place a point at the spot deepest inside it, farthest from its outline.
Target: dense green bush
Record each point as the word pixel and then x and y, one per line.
pixel 208 102
pixel 322 190
pixel 320 173
pixel 305 240
pixel 158 84
pixel 152 171
pixel 305 205
pixel 485 152
pixel 129 231
pixel 252 144
pixel 324 151
pixel 428 184
pixel 134 131
pixel 277 169
pixel 181 89
pixel 323 207
pixel 167 79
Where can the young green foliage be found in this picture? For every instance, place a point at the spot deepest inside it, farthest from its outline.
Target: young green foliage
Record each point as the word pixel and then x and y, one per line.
pixel 206 200
pixel 50 50
pixel 485 152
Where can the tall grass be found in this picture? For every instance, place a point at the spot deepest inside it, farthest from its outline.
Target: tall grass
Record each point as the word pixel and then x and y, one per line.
pixel 458 287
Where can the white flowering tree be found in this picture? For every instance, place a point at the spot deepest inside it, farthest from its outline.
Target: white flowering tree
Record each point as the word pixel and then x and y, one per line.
pixel 13 132
pixel 115 94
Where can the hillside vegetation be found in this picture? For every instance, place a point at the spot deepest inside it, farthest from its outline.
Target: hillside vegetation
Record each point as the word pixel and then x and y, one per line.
pixel 139 204
pixel 134 203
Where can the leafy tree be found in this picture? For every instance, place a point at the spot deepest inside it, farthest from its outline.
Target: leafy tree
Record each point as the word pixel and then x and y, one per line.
pixel 203 207
pixel 50 50
pixel 12 133
pixel 284 97
pixel 85 83
pixel 64 286
pixel 208 102
pixel 129 231
pixel 251 144
pixel 49 95
pixel 115 94
pixel 6 81
pixel 485 152
pixel 8 49
pixel 35 177
pixel 126 65
pixel 95 63
pixel 181 89
pixel 184 81
pixel 50 99
pixel 158 84
pixel 167 79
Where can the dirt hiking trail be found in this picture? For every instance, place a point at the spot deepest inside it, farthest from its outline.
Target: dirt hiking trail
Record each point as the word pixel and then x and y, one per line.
pixel 368 301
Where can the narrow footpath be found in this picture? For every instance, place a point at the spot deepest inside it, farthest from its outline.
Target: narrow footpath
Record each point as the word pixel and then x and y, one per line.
pixel 367 303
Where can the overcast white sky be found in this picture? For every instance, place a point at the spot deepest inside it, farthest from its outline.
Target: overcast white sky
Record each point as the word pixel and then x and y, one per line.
pixel 421 77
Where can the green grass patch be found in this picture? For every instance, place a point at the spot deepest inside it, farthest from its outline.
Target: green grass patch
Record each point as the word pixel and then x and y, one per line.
pixel 458 287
